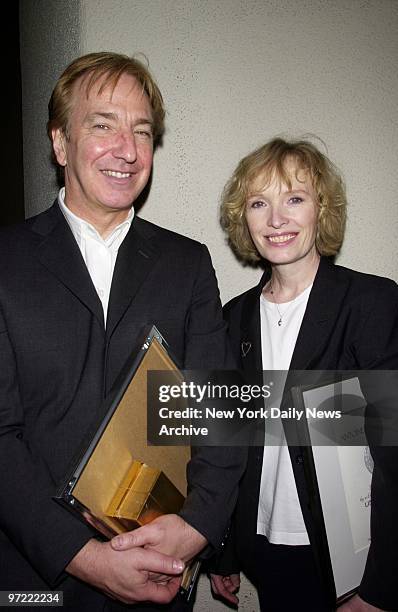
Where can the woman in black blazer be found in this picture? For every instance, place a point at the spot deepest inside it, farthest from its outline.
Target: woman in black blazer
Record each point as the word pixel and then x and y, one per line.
pixel 285 205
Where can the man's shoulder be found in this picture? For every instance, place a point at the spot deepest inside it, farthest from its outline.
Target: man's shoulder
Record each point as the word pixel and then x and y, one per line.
pixel 20 236
pixel 14 237
pixel 163 236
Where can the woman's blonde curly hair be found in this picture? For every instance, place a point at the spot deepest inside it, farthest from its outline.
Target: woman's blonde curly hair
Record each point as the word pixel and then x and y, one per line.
pixel 269 163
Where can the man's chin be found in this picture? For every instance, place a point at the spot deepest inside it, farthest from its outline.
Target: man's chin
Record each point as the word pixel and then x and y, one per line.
pixel 118 207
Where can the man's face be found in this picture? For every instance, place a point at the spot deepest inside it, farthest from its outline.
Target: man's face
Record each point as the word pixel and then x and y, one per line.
pixel 108 151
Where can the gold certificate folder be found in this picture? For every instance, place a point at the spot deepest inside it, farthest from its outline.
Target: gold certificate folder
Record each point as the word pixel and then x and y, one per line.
pixel 123 483
pixel 144 494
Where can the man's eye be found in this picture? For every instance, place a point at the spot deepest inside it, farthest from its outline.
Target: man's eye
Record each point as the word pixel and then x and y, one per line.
pixel 144 133
pixel 101 126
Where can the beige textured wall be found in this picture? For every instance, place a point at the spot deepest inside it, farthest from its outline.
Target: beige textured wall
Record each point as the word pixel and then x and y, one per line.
pixel 234 73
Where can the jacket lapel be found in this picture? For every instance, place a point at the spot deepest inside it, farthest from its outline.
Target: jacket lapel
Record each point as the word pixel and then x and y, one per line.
pixel 60 254
pixel 135 260
pixel 251 360
pixel 311 350
pixel 250 346
pixel 324 304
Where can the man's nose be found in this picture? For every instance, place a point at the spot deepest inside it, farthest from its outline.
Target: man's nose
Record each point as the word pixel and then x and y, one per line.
pixel 125 146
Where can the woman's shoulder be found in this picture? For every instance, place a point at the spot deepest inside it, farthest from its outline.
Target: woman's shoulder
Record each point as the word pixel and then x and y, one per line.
pixel 367 295
pixel 234 307
pixel 364 282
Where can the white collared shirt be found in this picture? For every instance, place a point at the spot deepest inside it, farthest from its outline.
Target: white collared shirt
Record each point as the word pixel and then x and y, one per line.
pixel 99 254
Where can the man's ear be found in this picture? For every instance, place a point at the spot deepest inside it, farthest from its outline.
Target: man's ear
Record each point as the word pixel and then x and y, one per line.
pixel 58 138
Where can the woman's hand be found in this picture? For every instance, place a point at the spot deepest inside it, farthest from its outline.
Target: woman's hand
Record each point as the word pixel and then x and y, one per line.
pixel 226 587
pixel 356 604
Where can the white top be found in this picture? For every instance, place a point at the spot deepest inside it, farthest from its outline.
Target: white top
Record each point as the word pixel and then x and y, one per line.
pixel 279 515
pixel 99 254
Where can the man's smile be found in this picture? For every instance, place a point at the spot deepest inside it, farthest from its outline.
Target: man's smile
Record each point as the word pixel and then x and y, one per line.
pixel 117 174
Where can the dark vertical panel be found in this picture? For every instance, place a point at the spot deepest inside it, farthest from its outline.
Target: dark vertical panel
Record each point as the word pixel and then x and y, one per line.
pixel 49 40
pixel 12 183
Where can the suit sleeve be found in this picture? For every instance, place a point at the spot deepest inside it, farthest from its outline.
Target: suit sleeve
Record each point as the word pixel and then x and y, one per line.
pixel 214 472
pixel 226 561
pixel 43 532
pixel 377 348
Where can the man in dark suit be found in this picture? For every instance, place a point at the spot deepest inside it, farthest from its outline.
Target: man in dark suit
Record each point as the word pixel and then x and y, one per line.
pixel 78 283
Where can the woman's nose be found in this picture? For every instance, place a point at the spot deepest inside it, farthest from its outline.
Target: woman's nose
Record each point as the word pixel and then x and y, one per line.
pixel 277 218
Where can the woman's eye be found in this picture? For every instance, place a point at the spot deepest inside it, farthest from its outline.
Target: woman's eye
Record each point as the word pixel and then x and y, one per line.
pixel 295 200
pixel 256 204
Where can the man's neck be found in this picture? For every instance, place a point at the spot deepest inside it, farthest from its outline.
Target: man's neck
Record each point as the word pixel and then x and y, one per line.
pixel 103 221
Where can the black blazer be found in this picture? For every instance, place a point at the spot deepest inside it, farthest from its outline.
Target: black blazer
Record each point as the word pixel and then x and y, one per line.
pixel 351 323
pixel 58 362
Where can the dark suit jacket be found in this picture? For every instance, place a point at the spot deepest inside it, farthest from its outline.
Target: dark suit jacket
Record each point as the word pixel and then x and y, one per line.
pixel 351 323
pixel 58 362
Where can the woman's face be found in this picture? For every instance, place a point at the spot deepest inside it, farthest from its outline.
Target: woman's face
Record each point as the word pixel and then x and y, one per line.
pixel 282 221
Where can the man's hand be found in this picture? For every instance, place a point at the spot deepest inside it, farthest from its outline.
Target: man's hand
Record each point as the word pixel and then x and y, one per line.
pixel 168 534
pixel 356 604
pixel 226 587
pixel 125 575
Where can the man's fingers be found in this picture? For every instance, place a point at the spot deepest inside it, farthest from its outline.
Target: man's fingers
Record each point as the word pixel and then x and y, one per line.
pixel 143 536
pixel 151 591
pixel 161 593
pixel 158 563
pixel 159 578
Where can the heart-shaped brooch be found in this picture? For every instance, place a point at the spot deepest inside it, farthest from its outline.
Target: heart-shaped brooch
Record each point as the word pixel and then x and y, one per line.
pixel 245 346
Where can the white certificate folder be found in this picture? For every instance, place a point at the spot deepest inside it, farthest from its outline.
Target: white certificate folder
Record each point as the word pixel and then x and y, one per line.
pixel 338 471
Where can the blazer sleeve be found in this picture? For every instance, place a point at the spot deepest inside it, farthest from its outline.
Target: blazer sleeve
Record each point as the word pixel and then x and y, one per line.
pixel 226 561
pixel 46 535
pixel 214 472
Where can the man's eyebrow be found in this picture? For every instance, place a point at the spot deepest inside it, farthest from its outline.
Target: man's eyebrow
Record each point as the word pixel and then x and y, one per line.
pixel 114 117
pixel 104 115
pixel 144 121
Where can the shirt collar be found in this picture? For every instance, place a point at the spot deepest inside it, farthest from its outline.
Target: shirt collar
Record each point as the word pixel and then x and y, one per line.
pixel 81 228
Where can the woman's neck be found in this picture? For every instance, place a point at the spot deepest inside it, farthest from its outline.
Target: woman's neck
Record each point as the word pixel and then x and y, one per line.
pixel 289 280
